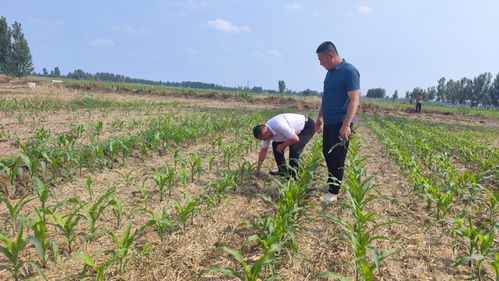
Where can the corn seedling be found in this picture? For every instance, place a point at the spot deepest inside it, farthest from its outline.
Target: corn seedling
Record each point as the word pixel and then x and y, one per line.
pixel 123 246
pixel 40 239
pixel 68 223
pixel 15 217
pixel 11 249
pixel 77 130
pixel 249 272
pixel 31 163
pixel 93 212
pixel 163 179
pixel 128 177
pixel 43 194
pixel 185 212
pixel 117 211
pixel 195 165
pixel 162 222
pixel 100 269
pixel 55 164
pixel 88 187
pixel 12 173
pixel 479 242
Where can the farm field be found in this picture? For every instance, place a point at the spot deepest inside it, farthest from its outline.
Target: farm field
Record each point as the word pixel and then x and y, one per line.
pixel 102 184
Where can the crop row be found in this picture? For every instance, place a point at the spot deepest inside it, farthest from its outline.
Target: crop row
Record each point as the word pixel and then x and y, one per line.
pixel 47 221
pixel 457 198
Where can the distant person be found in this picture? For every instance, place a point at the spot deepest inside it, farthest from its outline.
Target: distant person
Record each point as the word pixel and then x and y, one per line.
pixel 419 101
pixel 284 130
pixel 338 108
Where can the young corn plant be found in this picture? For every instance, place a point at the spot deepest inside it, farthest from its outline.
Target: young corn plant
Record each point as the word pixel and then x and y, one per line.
pixel 12 173
pixel 164 179
pixel 117 211
pixel 195 165
pixel 361 234
pixel 88 187
pixel 91 261
pixel 249 272
pixel 43 194
pixel 123 245
pixel 67 224
pixel 32 164
pixel 492 204
pixel 55 164
pixel 128 177
pixel 94 211
pixel 162 222
pixel 12 249
pixel 478 240
pixel 185 212
pixel 15 217
pixel 40 239
pixel 115 146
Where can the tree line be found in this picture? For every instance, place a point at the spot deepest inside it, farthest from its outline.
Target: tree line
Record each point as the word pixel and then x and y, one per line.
pixel 15 56
pixel 482 90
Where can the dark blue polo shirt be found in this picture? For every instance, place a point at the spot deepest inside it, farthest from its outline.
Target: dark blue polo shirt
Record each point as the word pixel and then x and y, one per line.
pixel 339 81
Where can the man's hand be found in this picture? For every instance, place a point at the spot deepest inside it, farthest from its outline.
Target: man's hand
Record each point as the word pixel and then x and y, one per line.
pixel 280 148
pixel 318 126
pixel 345 132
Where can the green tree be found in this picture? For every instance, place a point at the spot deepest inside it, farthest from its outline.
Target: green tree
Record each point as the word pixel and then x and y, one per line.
pixel 57 72
pixel 395 95
pixel 494 92
pixel 4 44
pixel 282 86
pixel 441 89
pixel 376 93
pixel 45 72
pixel 431 93
pixel 480 89
pixel 309 92
pixel 19 63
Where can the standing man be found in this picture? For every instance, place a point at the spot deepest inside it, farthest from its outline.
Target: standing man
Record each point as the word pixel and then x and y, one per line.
pixel 419 101
pixel 339 105
pixel 287 129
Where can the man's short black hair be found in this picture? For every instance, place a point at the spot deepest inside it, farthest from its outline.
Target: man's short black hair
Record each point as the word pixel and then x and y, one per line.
pixel 258 131
pixel 327 48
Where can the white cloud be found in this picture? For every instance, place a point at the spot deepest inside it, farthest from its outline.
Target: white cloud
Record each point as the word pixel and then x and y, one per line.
pixel 294 6
pixel 364 10
pixel 227 26
pixel 101 42
pixel 274 53
pixel 270 55
pixel 130 29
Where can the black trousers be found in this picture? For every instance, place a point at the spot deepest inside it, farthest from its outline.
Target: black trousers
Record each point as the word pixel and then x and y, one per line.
pixel 335 158
pixel 418 107
pixel 295 150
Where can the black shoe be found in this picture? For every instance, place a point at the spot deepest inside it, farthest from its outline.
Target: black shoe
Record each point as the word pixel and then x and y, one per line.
pixel 278 173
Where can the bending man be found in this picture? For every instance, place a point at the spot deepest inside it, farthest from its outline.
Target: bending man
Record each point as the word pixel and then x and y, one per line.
pixel 287 129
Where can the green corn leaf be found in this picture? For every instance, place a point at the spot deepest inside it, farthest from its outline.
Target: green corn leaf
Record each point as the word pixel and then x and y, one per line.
pixel 467 259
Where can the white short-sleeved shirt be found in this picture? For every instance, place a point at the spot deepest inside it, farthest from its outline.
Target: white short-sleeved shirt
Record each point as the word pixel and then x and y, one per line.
pixel 284 126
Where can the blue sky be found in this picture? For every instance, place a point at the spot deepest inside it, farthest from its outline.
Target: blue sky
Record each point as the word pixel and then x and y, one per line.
pixel 395 44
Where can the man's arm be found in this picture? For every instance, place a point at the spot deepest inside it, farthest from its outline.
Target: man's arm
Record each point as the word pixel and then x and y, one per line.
pixel 353 104
pixel 261 157
pixel 294 139
pixel 319 121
